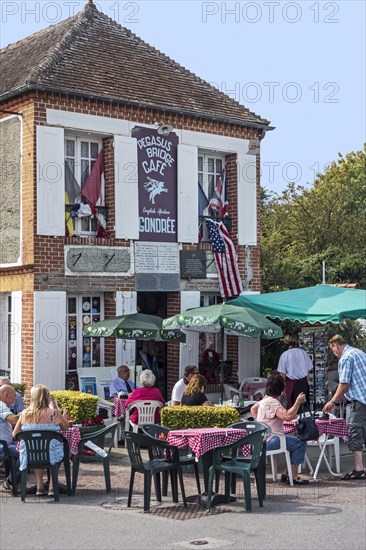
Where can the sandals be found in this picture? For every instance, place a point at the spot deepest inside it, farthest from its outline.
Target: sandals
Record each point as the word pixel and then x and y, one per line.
pixel 297 481
pixel 355 474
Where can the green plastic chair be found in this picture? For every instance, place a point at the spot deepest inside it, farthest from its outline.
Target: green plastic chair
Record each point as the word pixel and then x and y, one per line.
pixel 153 467
pixel 238 467
pixel 99 439
pixel 37 444
pixel 185 458
pixel 250 426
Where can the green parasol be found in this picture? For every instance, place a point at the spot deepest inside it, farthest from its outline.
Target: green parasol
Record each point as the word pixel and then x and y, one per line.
pixel 315 304
pixel 234 320
pixel 135 326
pixel 231 320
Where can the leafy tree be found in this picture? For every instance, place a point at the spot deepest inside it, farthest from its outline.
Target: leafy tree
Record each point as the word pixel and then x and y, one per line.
pixel 302 227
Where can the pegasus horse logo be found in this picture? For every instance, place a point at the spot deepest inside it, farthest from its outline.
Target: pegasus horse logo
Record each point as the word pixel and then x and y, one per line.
pixel 154 187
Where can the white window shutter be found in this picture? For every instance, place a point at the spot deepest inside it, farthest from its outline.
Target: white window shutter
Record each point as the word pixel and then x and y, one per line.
pixel 187 194
pixel 50 339
pixel 50 181
pixel 126 302
pixel 249 357
pixel 3 331
pixel 126 188
pixel 189 350
pixel 247 199
pixel 16 336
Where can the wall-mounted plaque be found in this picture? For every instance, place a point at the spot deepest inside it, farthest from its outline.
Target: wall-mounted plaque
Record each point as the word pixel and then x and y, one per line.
pixel 193 264
pixel 156 257
pixel 97 259
pixel 157 282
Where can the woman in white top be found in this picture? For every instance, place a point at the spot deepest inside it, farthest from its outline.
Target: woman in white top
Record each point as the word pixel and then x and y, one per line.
pixel 270 411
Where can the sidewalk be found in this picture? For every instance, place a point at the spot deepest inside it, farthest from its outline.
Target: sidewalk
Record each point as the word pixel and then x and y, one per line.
pixel 327 514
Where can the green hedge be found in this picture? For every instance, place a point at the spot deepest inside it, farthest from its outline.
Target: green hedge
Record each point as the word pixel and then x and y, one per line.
pixel 180 417
pixel 78 405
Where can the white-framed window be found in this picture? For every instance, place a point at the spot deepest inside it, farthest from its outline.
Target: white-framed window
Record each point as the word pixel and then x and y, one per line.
pixel 81 154
pixel 83 310
pixel 210 167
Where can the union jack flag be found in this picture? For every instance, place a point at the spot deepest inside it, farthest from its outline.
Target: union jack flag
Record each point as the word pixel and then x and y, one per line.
pixel 225 259
pixel 219 202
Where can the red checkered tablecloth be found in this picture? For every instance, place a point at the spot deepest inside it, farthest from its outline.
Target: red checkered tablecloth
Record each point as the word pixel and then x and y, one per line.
pixel 119 408
pixel 202 440
pixel 73 437
pixel 334 426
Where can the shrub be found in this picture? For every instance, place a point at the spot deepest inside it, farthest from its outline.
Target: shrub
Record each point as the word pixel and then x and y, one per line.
pixel 20 388
pixel 77 405
pixel 180 417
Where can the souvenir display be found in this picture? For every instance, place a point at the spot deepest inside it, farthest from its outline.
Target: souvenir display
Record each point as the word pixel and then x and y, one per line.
pixel 82 311
pixel 314 342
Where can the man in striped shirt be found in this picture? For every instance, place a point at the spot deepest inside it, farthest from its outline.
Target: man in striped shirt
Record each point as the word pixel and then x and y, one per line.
pixel 352 384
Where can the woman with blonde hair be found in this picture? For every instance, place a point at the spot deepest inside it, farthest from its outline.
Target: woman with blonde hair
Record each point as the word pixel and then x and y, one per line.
pixel 42 414
pixel 194 393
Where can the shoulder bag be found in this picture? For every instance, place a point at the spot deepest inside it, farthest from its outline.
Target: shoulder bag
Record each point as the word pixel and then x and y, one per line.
pixel 307 429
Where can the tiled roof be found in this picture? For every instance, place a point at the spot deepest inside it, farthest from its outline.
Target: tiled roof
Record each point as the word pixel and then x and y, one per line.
pixel 92 55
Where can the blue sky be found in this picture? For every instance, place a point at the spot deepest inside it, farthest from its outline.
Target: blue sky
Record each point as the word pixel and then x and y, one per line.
pixel 298 64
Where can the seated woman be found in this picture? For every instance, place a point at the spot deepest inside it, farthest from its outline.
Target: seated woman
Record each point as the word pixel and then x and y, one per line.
pixel 146 392
pixel 41 414
pixel 194 393
pixel 270 411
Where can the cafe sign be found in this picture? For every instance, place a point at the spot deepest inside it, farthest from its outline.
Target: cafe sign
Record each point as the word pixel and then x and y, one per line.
pixel 157 182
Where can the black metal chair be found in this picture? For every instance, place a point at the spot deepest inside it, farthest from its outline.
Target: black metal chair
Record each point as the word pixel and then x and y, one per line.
pixel 153 466
pixel 186 459
pixel 249 427
pixel 37 445
pixel 101 454
pixel 238 467
pixel 10 465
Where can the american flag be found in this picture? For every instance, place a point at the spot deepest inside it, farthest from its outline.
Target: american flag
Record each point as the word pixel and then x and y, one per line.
pixel 219 202
pixel 225 259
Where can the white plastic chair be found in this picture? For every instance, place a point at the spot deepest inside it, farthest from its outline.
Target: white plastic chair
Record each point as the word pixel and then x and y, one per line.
pixel 259 391
pixel 229 391
pixel 273 455
pixel 146 412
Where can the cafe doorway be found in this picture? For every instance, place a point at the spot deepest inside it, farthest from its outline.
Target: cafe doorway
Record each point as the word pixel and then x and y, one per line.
pixel 153 354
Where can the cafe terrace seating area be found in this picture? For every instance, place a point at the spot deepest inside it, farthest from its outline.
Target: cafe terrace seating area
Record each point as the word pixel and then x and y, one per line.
pixel 135 473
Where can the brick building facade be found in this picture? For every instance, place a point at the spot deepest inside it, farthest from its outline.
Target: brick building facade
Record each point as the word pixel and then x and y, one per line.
pixel 58 105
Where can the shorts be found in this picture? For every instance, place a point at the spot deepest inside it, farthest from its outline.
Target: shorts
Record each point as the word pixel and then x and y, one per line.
pixel 357 426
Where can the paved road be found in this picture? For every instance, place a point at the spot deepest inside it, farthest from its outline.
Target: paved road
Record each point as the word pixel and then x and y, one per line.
pixel 329 514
